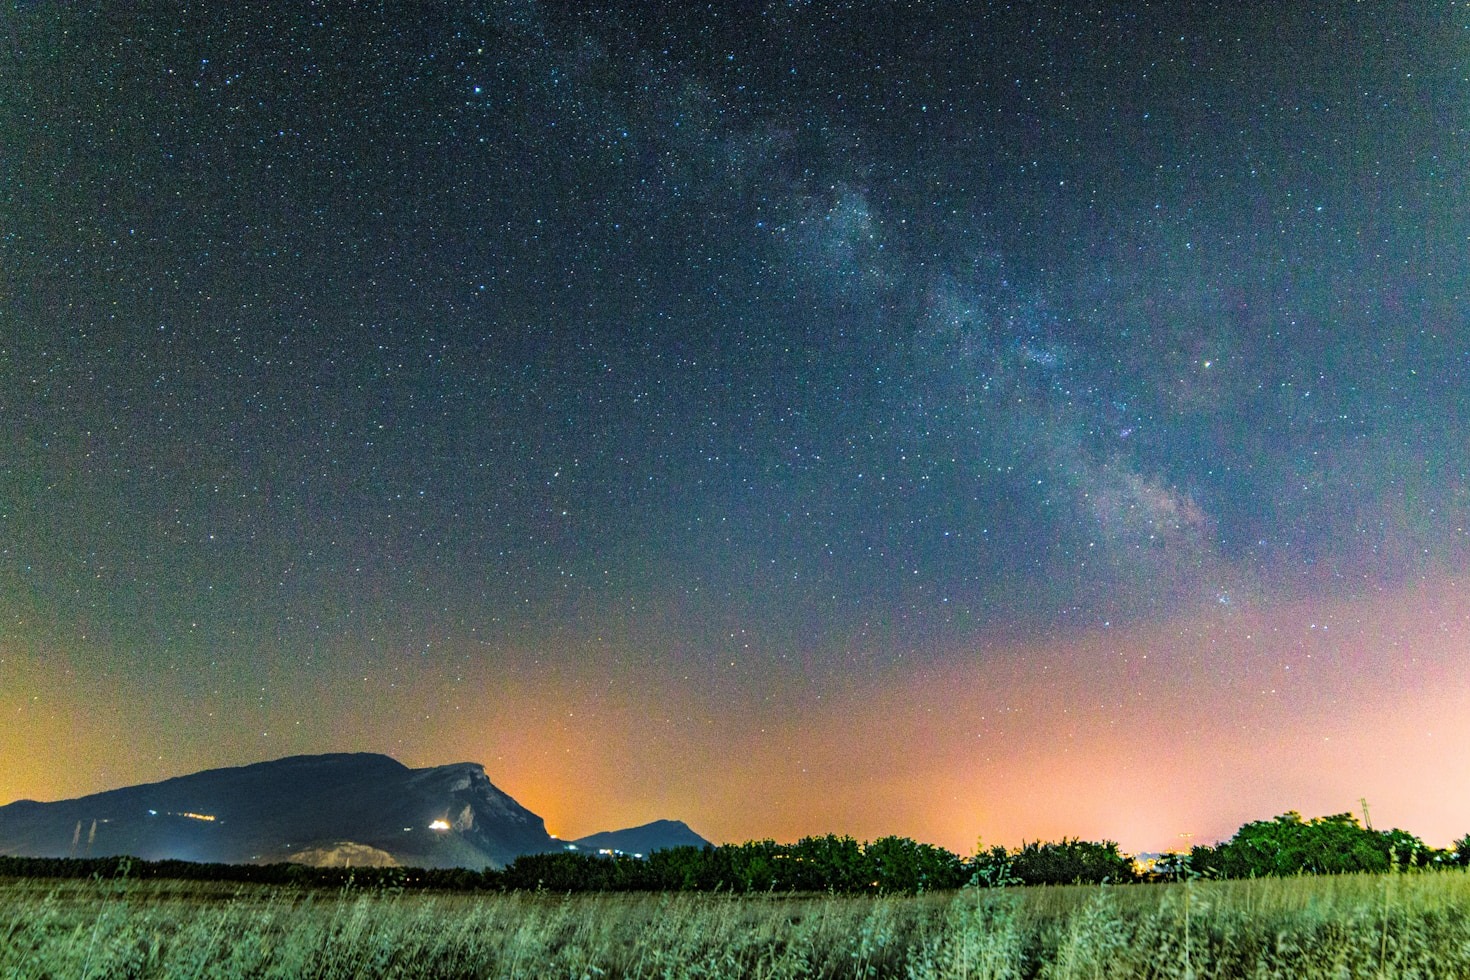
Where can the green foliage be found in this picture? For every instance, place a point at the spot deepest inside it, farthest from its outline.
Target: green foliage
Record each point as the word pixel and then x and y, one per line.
pixel 826 863
pixel 813 864
pixel 903 866
pixel 684 869
pixel 1289 845
pixel 457 879
pixel 992 869
pixel 1067 862
pixel 1404 850
pixel 978 938
pixel 1305 928
pixel 1461 852
pixel 1286 845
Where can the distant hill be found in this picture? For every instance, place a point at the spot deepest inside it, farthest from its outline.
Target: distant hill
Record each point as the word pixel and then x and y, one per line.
pixel 657 836
pixel 321 809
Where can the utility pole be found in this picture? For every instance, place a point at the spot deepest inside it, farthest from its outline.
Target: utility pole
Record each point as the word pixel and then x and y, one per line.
pixel 1363 801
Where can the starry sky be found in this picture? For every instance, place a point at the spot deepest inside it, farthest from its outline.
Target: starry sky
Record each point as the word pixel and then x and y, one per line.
pixel 956 420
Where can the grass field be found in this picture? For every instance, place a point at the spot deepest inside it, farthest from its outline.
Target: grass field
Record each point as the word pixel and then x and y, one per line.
pixel 1412 925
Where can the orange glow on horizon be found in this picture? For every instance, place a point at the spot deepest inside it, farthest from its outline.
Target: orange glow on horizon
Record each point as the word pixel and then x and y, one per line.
pixel 1139 735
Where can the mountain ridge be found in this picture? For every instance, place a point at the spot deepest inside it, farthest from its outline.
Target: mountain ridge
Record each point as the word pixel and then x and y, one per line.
pixel 333 807
pixel 657 835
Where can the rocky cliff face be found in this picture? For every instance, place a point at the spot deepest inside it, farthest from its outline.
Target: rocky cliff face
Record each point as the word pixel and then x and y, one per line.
pixel 480 814
pixel 345 854
pixel 447 816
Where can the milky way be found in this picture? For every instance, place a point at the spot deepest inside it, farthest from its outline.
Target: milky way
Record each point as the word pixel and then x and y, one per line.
pixel 615 389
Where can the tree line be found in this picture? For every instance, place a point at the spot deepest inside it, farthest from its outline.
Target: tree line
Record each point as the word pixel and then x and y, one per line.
pixel 1285 845
pixel 1337 844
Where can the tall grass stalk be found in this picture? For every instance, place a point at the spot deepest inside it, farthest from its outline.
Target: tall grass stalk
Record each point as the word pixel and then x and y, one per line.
pixel 1413 925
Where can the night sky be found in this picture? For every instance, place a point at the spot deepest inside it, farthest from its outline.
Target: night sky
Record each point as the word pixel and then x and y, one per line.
pixel 954 420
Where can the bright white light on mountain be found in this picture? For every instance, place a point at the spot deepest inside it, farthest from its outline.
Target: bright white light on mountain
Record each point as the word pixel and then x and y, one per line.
pixel 439 825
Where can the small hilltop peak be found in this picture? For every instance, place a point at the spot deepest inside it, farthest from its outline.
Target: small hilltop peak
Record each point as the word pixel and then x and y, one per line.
pixel 660 835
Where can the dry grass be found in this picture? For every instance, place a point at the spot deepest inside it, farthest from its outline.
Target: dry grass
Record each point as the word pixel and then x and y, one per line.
pixel 1348 927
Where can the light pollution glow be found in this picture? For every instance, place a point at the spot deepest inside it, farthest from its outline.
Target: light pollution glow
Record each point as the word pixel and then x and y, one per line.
pixel 1140 734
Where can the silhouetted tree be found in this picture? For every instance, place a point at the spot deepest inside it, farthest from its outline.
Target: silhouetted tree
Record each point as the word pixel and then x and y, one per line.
pixel 1070 862
pixel 1289 845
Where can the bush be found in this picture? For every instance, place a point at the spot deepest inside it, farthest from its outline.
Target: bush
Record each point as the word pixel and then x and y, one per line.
pixel 1071 862
pixel 1289 845
pixel 904 866
pixel 892 865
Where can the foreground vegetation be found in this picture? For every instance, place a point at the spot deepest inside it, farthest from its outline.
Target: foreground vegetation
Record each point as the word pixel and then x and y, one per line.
pixel 1283 898
pixel 1392 925
pixel 1286 845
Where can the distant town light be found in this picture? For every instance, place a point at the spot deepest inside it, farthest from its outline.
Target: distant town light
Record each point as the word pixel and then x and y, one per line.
pixel 179 813
pixel 439 825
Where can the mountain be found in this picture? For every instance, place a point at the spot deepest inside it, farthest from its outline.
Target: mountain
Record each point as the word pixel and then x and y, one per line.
pixel 657 836
pixel 356 808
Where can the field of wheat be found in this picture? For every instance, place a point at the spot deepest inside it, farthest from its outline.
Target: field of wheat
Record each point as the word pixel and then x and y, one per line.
pixel 1410 925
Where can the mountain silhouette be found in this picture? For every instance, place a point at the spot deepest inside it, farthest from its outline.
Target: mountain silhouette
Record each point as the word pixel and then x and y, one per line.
pixel 358 808
pixel 657 836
